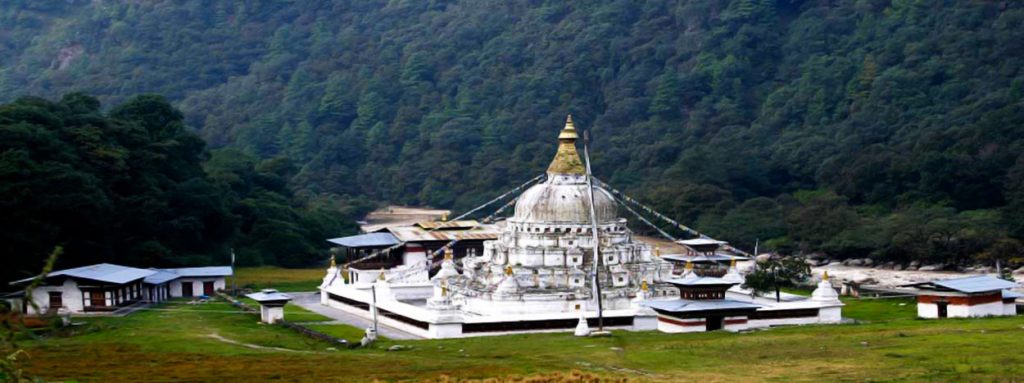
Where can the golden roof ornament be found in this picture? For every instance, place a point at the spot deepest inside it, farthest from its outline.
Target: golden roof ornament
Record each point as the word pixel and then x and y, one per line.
pixel 732 262
pixel 824 276
pixel 444 217
pixel 381 276
pixel 567 159
pixel 643 286
pixel 657 251
pixel 448 253
pixel 508 270
pixel 689 265
pixel 333 265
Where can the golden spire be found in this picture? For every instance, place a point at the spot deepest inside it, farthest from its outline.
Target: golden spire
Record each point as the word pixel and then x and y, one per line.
pixel 567 160
pixel 381 276
pixel 657 251
pixel 444 216
pixel 448 253
pixel 689 265
pixel 732 263
pixel 643 286
pixel 508 270
pixel 824 276
pixel 333 265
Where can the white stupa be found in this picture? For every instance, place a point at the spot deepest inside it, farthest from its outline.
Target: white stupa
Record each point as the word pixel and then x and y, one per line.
pixel 543 259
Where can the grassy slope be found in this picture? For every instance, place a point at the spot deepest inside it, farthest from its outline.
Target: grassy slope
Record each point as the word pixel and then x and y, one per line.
pixel 278 278
pixel 158 344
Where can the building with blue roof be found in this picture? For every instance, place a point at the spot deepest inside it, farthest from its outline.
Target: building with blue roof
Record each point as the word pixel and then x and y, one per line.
pixel 965 297
pixel 108 287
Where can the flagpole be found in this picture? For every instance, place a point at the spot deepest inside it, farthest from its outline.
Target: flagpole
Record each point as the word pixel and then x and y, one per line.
pixel 234 277
pixel 593 228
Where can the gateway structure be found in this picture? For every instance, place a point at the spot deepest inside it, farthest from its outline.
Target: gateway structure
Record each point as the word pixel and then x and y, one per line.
pixel 540 272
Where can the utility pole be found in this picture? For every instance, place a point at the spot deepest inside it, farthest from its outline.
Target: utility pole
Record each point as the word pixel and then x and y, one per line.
pixel 593 229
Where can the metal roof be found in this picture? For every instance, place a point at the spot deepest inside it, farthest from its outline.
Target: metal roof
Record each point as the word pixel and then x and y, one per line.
pixel 1008 294
pixel 700 281
pixel 366 240
pixel 103 272
pixel 447 225
pixel 161 276
pixel 715 258
pixel 700 242
pixel 269 295
pixel 208 271
pixel 972 284
pixel 685 305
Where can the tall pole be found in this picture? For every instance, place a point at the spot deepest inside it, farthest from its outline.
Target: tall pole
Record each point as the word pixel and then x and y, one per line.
pixel 373 288
pixel 593 229
pixel 234 278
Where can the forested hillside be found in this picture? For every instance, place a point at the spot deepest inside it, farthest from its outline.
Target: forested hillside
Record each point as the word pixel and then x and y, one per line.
pixel 133 186
pixel 891 129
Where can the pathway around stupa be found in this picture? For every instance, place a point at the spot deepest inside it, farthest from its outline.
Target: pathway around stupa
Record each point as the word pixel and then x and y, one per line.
pixel 311 301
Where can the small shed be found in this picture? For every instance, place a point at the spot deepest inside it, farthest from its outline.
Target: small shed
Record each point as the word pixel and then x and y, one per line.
pixel 271 304
pixel 974 296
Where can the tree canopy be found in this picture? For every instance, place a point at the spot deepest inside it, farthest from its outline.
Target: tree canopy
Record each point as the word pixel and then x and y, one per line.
pixel 884 128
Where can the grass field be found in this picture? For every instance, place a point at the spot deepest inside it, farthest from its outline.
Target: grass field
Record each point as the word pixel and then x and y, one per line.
pixel 269 277
pixel 216 342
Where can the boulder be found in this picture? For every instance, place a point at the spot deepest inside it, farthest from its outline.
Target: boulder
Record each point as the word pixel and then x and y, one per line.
pixel 854 262
pixel 817 256
pixel 935 267
pixel 867 262
pixel 398 347
pixel 898 267
pixel 914 265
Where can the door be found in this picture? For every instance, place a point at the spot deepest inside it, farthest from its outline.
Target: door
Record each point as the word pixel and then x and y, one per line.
pixel 208 288
pixel 943 311
pixel 56 300
pixel 714 323
pixel 97 299
pixel 186 289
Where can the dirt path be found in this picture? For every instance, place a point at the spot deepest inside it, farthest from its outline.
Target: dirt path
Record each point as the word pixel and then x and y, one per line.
pixel 249 345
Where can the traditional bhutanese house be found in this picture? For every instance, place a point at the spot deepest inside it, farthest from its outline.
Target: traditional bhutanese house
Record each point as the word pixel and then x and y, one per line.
pixel 407 246
pixel 702 306
pixel 196 281
pixel 974 296
pixel 101 287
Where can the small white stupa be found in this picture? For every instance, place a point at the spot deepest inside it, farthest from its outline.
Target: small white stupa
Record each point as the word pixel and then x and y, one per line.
pixel 582 329
pixel 825 292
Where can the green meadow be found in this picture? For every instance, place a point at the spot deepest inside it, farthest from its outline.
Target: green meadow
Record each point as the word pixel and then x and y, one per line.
pixel 215 341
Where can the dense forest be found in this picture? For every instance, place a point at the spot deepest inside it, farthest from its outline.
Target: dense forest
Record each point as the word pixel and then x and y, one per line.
pixel 133 186
pixel 885 128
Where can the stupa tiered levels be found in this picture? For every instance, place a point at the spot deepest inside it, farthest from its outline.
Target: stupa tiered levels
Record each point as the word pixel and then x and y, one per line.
pixel 538 275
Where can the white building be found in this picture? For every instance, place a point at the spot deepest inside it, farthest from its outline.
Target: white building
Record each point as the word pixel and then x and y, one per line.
pixel 537 275
pixel 975 296
pixel 107 287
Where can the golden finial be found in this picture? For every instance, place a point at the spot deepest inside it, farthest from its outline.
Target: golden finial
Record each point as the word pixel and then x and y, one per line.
pixel 508 270
pixel 333 265
pixel 689 265
pixel 381 276
pixel 567 160
pixel 444 216
pixel 657 251
pixel 732 262
pixel 824 276
pixel 448 253
pixel 643 286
